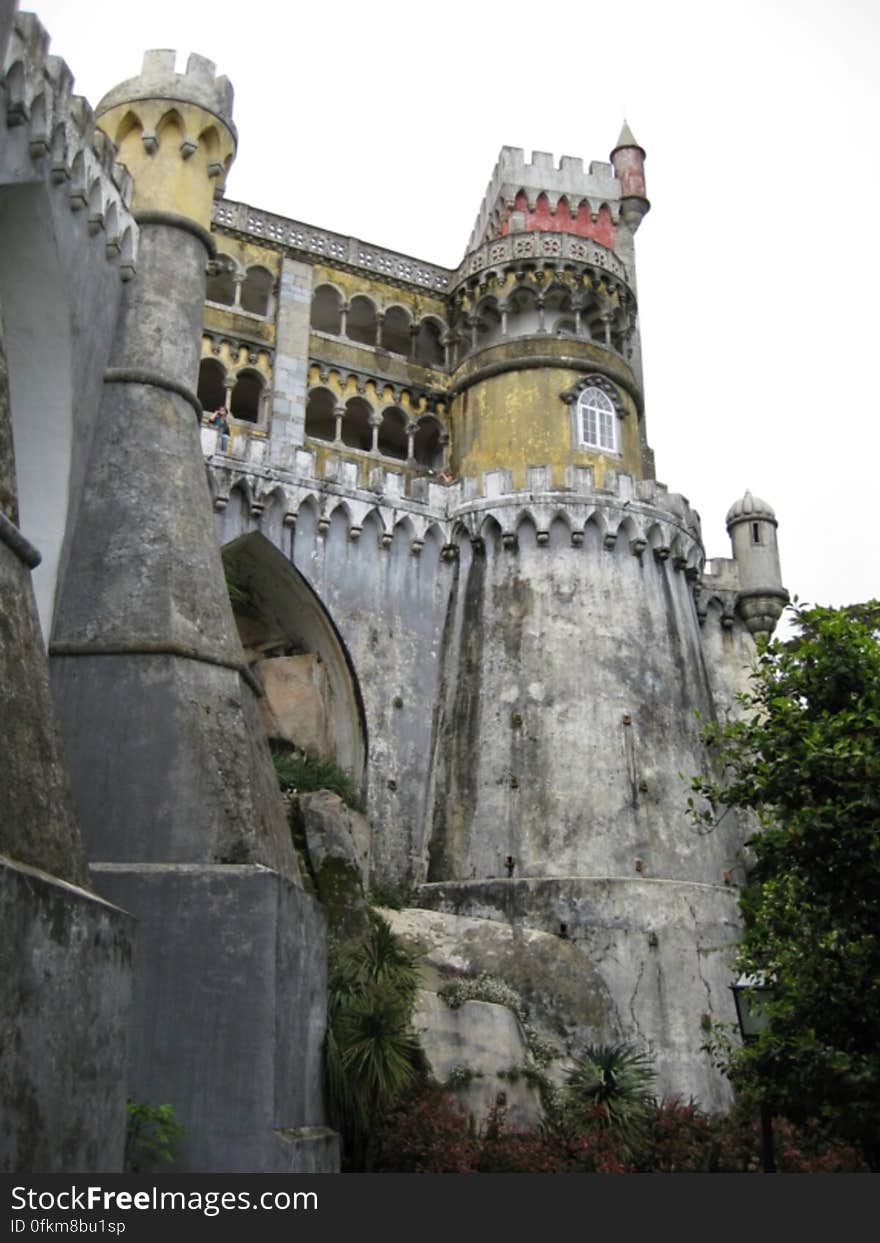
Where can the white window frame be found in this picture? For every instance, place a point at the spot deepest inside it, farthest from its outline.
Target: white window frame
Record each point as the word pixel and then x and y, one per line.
pixel 597 420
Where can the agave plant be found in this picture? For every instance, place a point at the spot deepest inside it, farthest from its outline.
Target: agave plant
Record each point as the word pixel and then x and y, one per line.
pixel 612 1084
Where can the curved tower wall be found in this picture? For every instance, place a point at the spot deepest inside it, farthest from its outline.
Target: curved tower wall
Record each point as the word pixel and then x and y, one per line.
pixel 573 672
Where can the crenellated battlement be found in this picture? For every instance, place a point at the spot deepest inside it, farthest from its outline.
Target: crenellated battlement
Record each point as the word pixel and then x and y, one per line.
pixel 594 187
pixel 639 514
pixel 158 79
pixel 52 133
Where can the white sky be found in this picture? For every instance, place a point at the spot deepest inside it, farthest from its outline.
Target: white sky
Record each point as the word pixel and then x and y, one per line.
pixel 758 264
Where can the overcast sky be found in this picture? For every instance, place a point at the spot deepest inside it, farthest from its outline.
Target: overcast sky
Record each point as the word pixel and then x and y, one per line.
pixel 758 265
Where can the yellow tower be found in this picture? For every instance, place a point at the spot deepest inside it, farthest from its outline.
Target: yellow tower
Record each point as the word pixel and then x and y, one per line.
pixel 174 133
pixel 544 326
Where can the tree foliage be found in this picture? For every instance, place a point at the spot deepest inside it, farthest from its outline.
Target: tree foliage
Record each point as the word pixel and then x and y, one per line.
pixel 805 760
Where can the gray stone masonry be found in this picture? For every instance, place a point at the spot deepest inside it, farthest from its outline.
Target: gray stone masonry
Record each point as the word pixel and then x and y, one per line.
pixel 228 1013
pixel 65 963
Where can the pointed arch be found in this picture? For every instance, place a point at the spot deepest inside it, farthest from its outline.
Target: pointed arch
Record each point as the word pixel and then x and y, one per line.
pixel 171 128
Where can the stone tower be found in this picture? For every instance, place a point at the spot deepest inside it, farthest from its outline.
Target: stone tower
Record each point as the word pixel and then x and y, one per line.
pixel 171 773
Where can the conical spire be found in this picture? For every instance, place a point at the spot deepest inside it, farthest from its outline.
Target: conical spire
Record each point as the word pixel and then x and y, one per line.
pixel 626 139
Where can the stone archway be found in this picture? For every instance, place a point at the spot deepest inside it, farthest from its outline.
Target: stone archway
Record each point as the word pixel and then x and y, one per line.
pixel 311 693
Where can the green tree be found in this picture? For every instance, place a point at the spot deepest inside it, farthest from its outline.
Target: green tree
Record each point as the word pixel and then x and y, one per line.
pixel 805 760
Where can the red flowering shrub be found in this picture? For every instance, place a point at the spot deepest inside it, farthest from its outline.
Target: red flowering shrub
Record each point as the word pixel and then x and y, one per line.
pixel 680 1139
pixel 505 1149
pixel 806 1149
pixel 425 1133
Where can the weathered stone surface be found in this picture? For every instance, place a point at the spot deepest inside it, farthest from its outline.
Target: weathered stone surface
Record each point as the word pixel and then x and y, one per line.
pixel 188 777
pixel 663 951
pixel 338 843
pixel 280 609
pixel 65 963
pixel 336 831
pixel 37 824
pixel 296 705
pixel 484 1039
pixel 568 999
pixel 228 1012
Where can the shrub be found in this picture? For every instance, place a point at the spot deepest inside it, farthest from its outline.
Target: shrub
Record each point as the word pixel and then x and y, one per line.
pixel 302 773
pixel 678 1139
pixel 505 1149
pixel 425 1133
pixel 371 1054
pixel 150 1135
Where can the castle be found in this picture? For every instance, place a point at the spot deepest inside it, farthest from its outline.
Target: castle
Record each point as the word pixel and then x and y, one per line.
pixel 454 574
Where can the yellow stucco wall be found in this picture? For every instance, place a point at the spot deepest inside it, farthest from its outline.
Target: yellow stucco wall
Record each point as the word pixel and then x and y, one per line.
pixel 517 418
pixel 171 178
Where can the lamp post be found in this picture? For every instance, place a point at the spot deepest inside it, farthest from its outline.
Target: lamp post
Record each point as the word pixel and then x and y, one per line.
pixel 751 993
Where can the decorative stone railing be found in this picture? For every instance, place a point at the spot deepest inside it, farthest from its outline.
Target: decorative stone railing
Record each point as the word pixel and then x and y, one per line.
pixel 551 247
pixel 315 243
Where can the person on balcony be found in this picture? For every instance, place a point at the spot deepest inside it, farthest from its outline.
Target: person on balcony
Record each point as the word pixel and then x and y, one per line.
pixel 220 421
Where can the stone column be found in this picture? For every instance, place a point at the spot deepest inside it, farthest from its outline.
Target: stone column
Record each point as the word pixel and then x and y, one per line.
pixel 291 361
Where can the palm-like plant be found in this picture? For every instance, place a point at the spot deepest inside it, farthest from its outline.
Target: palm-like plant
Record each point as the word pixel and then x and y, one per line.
pixel 371 1054
pixel 612 1084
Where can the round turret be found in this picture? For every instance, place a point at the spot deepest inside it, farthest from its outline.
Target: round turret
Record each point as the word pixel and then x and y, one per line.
pixel 174 133
pixel 751 524
pixel 628 161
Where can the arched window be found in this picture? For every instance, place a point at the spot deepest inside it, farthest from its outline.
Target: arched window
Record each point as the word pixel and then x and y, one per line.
pixel 522 313
pixel 320 414
pixel 256 291
pixel 488 322
pixel 392 434
pixel 597 421
pixel 221 286
pixel 427 445
pixel 357 431
pixel 246 397
pixel 212 384
pixel 327 310
pixel 429 347
pixel 362 321
pixel 395 331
